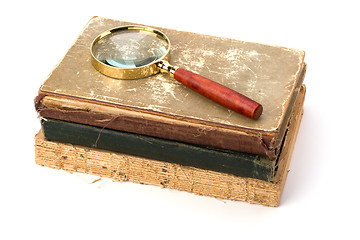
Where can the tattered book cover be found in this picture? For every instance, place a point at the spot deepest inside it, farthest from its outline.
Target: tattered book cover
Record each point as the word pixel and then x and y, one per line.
pixel 159 106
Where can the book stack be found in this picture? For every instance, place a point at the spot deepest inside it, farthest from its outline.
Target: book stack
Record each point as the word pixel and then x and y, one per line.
pixel 156 131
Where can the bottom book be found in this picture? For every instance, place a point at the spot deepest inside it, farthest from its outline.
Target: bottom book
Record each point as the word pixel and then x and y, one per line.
pixel 123 167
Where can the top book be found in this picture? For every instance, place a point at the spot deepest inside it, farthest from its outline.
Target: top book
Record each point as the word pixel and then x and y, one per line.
pixel 160 106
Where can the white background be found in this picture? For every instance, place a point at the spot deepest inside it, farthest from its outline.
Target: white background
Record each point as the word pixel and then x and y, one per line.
pixel 321 196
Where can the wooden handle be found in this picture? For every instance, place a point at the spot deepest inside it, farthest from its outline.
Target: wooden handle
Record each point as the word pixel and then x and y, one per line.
pixel 219 93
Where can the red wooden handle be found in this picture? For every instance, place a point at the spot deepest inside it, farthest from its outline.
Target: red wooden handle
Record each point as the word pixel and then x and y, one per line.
pixel 219 93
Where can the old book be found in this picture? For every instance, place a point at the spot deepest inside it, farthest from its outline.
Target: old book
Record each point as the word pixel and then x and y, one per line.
pixel 220 160
pixel 159 106
pixel 122 167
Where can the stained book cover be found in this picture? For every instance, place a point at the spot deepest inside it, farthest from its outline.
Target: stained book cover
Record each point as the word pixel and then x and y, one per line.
pixel 159 106
pixel 220 160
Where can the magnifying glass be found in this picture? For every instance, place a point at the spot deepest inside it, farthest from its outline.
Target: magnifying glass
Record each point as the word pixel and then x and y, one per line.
pixel 132 52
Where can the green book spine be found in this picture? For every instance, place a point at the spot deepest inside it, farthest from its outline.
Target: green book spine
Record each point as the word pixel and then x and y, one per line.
pixel 226 161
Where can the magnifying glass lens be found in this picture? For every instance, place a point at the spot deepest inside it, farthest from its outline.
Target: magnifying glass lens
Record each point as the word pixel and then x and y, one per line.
pixel 130 48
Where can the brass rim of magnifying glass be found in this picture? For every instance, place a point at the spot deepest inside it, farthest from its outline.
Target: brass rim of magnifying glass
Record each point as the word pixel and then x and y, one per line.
pixel 129 73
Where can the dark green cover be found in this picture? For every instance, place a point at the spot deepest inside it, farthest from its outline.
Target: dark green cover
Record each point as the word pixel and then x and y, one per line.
pixel 232 162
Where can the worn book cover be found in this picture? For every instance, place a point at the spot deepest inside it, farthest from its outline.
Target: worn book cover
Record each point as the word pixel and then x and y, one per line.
pixel 124 167
pixel 215 159
pixel 159 106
